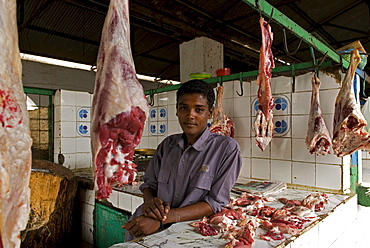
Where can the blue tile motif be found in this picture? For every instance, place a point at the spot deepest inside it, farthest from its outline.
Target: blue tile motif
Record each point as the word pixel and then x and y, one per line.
pixel 153 113
pixel 162 113
pixel 83 129
pixel 281 126
pixel 162 128
pixel 281 103
pixel 83 113
pixel 153 129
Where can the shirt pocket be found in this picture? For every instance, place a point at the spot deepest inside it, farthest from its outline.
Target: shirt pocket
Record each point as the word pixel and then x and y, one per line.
pixel 202 181
pixel 164 176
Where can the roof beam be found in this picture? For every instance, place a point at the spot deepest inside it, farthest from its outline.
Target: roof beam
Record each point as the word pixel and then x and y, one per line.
pixel 44 6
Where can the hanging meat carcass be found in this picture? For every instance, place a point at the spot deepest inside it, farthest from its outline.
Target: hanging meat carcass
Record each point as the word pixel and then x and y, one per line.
pixel 222 124
pixel 15 140
pixel 318 139
pixel 348 126
pixel 119 107
pixel 264 125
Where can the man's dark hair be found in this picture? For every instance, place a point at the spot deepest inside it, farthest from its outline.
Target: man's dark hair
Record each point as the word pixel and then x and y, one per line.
pixel 197 86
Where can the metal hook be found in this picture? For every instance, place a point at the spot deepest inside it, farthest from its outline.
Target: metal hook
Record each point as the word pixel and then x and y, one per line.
pixel 241 85
pixel 270 18
pixel 319 64
pixel 151 98
pixel 220 81
pixel 286 45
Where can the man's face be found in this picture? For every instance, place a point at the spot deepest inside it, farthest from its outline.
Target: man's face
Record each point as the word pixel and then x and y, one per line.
pixel 193 112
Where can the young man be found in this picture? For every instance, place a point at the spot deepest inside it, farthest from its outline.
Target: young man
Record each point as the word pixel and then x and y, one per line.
pixel 191 174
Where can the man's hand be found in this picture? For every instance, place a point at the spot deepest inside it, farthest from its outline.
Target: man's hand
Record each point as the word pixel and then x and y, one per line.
pixel 142 225
pixel 156 209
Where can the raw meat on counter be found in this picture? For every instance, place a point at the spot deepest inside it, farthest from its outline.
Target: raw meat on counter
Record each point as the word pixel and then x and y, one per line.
pixel 245 216
pixel 15 140
pixel 264 125
pixel 318 139
pixel 348 126
pixel 119 107
pixel 222 124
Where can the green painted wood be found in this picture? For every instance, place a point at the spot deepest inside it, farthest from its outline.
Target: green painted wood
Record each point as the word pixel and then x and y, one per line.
pixel 363 194
pixel 30 90
pixel 273 13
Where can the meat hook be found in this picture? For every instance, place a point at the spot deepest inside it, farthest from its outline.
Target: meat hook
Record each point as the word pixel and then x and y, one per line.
pixel 286 45
pixel 150 98
pixel 241 85
pixel 220 81
pixel 320 63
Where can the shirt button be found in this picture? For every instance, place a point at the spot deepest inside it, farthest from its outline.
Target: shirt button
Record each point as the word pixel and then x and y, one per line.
pixel 177 195
pixel 183 160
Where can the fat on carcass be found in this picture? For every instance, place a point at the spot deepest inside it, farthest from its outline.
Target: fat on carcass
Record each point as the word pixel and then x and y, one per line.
pixel 15 140
pixel 318 139
pixel 348 126
pixel 119 107
pixel 222 123
pixel 264 125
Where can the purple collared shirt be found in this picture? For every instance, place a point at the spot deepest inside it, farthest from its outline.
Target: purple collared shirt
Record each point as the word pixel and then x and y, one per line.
pixel 205 171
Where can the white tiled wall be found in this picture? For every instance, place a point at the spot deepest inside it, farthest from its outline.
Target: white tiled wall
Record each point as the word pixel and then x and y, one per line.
pixel 71 128
pixel 286 158
pixel 86 203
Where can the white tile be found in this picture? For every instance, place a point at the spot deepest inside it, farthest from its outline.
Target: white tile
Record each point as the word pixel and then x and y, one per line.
pixel 57 98
pixel 145 129
pixel 328 82
pixel 281 170
pixel 308 239
pixel 281 85
pixel 113 198
pixel 246 88
pixel 57 129
pixel 173 127
pixel 299 126
pixel 57 114
pixel 86 196
pixel 301 103
pixel 68 129
pixel 246 168
pixel 228 106
pixel 254 89
pixel 68 113
pixel 303 82
pixel 83 129
pixel 162 99
pixel 228 90
pixel 68 145
pixel 69 160
pixel 257 152
pixel 83 160
pixel 83 144
pixel 329 176
pixel 241 107
pixel 242 127
pixel 261 168
pixel 171 97
pixel 88 213
pixel 153 142
pixel 57 145
pixel 245 146
pixel 125 201
pixel 83 99
pixel 329 158
pixel 136 202
pixel 172 112
pixel 281 148
pixel 87 233
pixel 303 173
pixel 300 151
pixel 327 100
pixel 144 142
pixel 68 98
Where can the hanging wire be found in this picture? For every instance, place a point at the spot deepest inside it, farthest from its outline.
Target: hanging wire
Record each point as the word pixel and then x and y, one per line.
pixel 286 45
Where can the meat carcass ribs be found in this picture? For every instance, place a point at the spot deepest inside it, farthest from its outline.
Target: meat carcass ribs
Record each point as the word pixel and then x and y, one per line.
pixel 15 140
pixel 264 125
pixel 318 138
pixel 222 124
pixel 119 107
pixel 348 126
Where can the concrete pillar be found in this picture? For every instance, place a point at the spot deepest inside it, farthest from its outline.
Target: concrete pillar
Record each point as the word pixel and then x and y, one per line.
pixel 200 55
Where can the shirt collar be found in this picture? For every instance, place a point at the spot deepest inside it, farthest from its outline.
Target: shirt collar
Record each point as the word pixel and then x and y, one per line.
pixel 199 144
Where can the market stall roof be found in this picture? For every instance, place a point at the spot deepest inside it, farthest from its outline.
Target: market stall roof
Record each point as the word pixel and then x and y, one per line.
pixel 71 30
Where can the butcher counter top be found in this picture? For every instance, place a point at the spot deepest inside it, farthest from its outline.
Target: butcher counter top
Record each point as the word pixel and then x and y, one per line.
pixel 342 209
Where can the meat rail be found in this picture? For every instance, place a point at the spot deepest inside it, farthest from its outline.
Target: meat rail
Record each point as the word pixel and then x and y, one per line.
pixel 264 125
pixel 119 107
pixel 348 126
pixel 15 140
pixel 222 123
pixel 318 139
